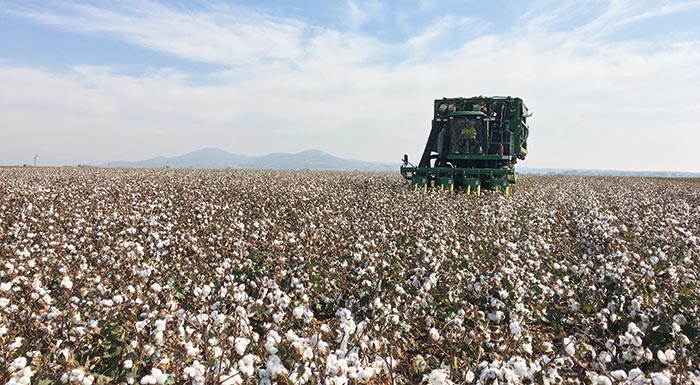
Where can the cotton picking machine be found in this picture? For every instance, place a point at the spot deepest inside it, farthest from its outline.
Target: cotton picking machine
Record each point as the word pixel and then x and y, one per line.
pixel 474 143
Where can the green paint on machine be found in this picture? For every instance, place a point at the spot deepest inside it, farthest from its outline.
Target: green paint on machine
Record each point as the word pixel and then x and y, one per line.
pixel 473 143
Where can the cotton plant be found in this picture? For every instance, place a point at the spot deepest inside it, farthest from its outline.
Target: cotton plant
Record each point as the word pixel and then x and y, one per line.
pixel 203 276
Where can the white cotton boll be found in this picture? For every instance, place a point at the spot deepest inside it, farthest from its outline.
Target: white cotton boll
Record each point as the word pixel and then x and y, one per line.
pixel 660 379
pixel 298 312
pixel 670 355
pixel 291 336
pixel 241 345
pixel 636 376
pixel 147 379
pixel 23 376
pixel 88 380
pixel 156 288
pixel 245 364
pixel 5 286
pixel 192 351
pixel 569 347
pixel 106 303
pixel 632 328
pixel 160 377
pixel 515 329
pixel 434 334
pixel 118 299
pixel 676 327
pixel 140 325
pixel 159 325
pixel 519 367
pixel 661 356
pixel 17 364
pixel 365 374
pixel 602 380
pixel 469 377
pixel 394 319
pixel 128 364
pixel 206 290
pixel 619 375
pixel 437 377
pixel 648 355
pixel 496 316
pixel 66 282
pixel 76 375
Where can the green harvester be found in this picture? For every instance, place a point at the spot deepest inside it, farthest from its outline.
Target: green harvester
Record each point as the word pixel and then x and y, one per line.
pixel 474 143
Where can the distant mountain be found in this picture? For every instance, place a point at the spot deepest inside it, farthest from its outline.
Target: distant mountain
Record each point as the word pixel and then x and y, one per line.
pixel 216 158
pixel 204 158
pixel 645 174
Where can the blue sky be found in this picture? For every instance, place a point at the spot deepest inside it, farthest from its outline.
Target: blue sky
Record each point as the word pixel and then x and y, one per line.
pixel 612 84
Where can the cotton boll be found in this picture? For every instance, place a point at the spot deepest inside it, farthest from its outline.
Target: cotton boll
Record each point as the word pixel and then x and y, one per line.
pixel 245 365
pixel 365 374
pixel 636 376
pixel 76 375
pixel 670 355
pixel 496 316
pixel 66 282
pixel 147 379
pixel 128 364
pixel 434 334
pixel 515 329
pixel 618 375
pixel 17 364
pixel 159 376
pixel 660 378
pixel 298 312
pixel 437 377
pixel 569 347
pixel 661 355
pixel 241 345
pixel 469 377
pixel 206 290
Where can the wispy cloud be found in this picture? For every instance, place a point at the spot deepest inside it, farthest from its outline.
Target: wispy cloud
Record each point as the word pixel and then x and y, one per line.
pixel 286 85
pixel 361 12
pixel 621 13
pixel 221 34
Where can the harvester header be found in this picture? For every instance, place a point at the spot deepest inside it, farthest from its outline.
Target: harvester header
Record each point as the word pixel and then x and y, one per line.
pixel 473 142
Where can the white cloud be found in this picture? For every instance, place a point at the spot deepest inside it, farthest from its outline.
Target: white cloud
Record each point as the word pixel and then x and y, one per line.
pixel 219 34
pixel 360 12
pixel 597 104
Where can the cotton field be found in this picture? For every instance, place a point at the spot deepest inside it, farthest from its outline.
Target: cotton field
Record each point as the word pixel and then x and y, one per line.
pixel 247 277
